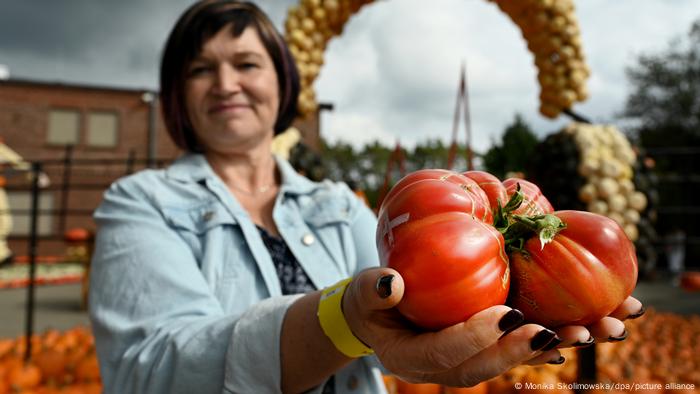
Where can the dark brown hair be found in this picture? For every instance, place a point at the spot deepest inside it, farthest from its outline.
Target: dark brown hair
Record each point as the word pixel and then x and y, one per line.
pixel 196 26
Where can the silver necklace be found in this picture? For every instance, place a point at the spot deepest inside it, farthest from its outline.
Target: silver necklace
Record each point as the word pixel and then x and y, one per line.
pixel 255 192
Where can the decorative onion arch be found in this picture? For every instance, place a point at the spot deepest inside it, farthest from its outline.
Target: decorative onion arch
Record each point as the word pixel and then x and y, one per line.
pixel 550 28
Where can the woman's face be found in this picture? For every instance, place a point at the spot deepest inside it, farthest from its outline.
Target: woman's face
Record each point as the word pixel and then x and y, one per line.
pixel 232 93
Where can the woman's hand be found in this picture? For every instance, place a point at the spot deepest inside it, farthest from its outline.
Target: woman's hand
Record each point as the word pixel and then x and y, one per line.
pixel 608 329
pixel 461 355
pixel 488 344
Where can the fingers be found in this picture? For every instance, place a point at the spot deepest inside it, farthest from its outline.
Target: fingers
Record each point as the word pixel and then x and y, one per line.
pixel 608 329
pixel 631 308
pixel 369 295
pixel 548 357
pixel 577 336
pixel 528 343
pixel 611 328
pixel 433 352
pixel 376 289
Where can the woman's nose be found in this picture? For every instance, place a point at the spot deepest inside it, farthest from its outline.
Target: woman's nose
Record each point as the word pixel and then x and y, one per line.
pixel 227 80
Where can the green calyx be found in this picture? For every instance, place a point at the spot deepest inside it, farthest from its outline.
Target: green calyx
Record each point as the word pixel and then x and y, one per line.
pixel 517 229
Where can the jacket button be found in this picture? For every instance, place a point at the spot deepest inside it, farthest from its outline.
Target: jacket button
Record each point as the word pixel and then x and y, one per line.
pixel 207 216
pixel 308 239
pixel 353 382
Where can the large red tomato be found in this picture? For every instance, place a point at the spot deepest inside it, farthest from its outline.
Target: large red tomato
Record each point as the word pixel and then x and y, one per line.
pixel 471 199
pixel 585 272
pixel 492 186
pixel 534 202
pixel 500 193
pixel 434 228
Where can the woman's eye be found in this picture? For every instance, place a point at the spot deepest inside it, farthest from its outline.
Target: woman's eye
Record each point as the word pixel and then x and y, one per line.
pixel 198 70
pixel 248 65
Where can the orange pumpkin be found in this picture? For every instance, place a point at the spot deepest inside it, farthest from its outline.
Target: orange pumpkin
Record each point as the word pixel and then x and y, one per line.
pixel 88 369
pixel 92 388
pixel 6 345
pixel 24 376
pixel 417 388
pixel 390 384
pixel 52 364
pixel 481 388
pixel 502 384
pixel 76 235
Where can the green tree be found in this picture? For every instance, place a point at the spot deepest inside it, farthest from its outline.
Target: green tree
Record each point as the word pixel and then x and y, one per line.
pixel 664 107
pixel 665 98
pixel 429 154
pixel 513 154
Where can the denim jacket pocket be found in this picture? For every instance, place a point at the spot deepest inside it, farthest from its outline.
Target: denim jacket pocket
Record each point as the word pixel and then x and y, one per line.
pixel 213 236
pixel 325 213
pixel 198 219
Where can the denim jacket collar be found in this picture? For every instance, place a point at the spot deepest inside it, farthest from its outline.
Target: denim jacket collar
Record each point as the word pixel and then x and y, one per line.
pixel 193 167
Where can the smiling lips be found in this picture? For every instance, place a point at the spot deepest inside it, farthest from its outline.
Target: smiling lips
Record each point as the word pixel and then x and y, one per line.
pixel 221 108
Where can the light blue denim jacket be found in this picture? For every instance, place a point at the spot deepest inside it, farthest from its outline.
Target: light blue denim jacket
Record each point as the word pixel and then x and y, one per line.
pixel 184 297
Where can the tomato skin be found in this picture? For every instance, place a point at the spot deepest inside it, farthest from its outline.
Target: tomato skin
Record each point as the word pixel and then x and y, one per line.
pixel 582 275
pixel 534 202
pixel 435 190
pixel 491 185
pixel 438 235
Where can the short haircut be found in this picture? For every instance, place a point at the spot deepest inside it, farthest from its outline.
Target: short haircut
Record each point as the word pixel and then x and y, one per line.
pixel 196 26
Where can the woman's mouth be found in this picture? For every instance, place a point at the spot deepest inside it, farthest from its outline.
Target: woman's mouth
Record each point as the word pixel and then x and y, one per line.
pixel 224 108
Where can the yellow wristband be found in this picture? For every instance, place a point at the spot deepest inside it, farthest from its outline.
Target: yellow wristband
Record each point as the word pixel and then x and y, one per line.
pixel 330 316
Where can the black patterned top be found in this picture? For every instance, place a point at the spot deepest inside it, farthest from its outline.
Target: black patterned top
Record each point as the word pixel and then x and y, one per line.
pixel 293 278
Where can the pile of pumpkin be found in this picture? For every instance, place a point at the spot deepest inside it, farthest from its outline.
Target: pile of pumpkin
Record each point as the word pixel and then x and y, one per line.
pixel 661 348
pixel 593 167
pixel 606 163
pixel 554 38
pixel 308 28
pixel 546 375
pixel 550 28
pixel 60 363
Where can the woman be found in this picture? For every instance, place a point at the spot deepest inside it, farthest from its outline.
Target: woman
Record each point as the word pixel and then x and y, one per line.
pixel 207 274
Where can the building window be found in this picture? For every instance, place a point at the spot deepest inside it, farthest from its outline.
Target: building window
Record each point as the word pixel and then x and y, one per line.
pixel 64 127
pixel 102 129
pixel 20 204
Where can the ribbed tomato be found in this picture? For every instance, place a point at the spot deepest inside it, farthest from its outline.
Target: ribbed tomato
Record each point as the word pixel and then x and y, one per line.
pixel 534 202
pixel 435 229
pixel 491 185
pixel 587 270
pixel 499 193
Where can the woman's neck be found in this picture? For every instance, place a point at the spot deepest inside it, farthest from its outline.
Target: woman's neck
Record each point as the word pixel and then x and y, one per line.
pixel 251 173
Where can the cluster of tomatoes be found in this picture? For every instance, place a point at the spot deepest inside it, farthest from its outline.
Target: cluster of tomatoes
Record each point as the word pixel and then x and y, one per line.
pixel 465 242
pixel 60 363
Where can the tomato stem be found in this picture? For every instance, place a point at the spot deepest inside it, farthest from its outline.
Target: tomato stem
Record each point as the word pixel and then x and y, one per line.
pixel 502 216
pixel 523 227
pixel 517 229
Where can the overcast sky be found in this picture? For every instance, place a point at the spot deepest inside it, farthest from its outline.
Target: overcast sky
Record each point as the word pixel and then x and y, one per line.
pixel 393 74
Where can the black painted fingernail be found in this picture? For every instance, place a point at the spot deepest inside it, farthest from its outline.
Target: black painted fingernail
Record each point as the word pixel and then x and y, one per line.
pixel 384 285
pixel 620 338
pixel 510 320
pixel 542 339
pixel 552 344
pixel 590 341
pixel 558 361
pixel 637 314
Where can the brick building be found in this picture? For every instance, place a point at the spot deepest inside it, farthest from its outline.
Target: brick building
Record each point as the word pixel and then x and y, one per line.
pixel 86 137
